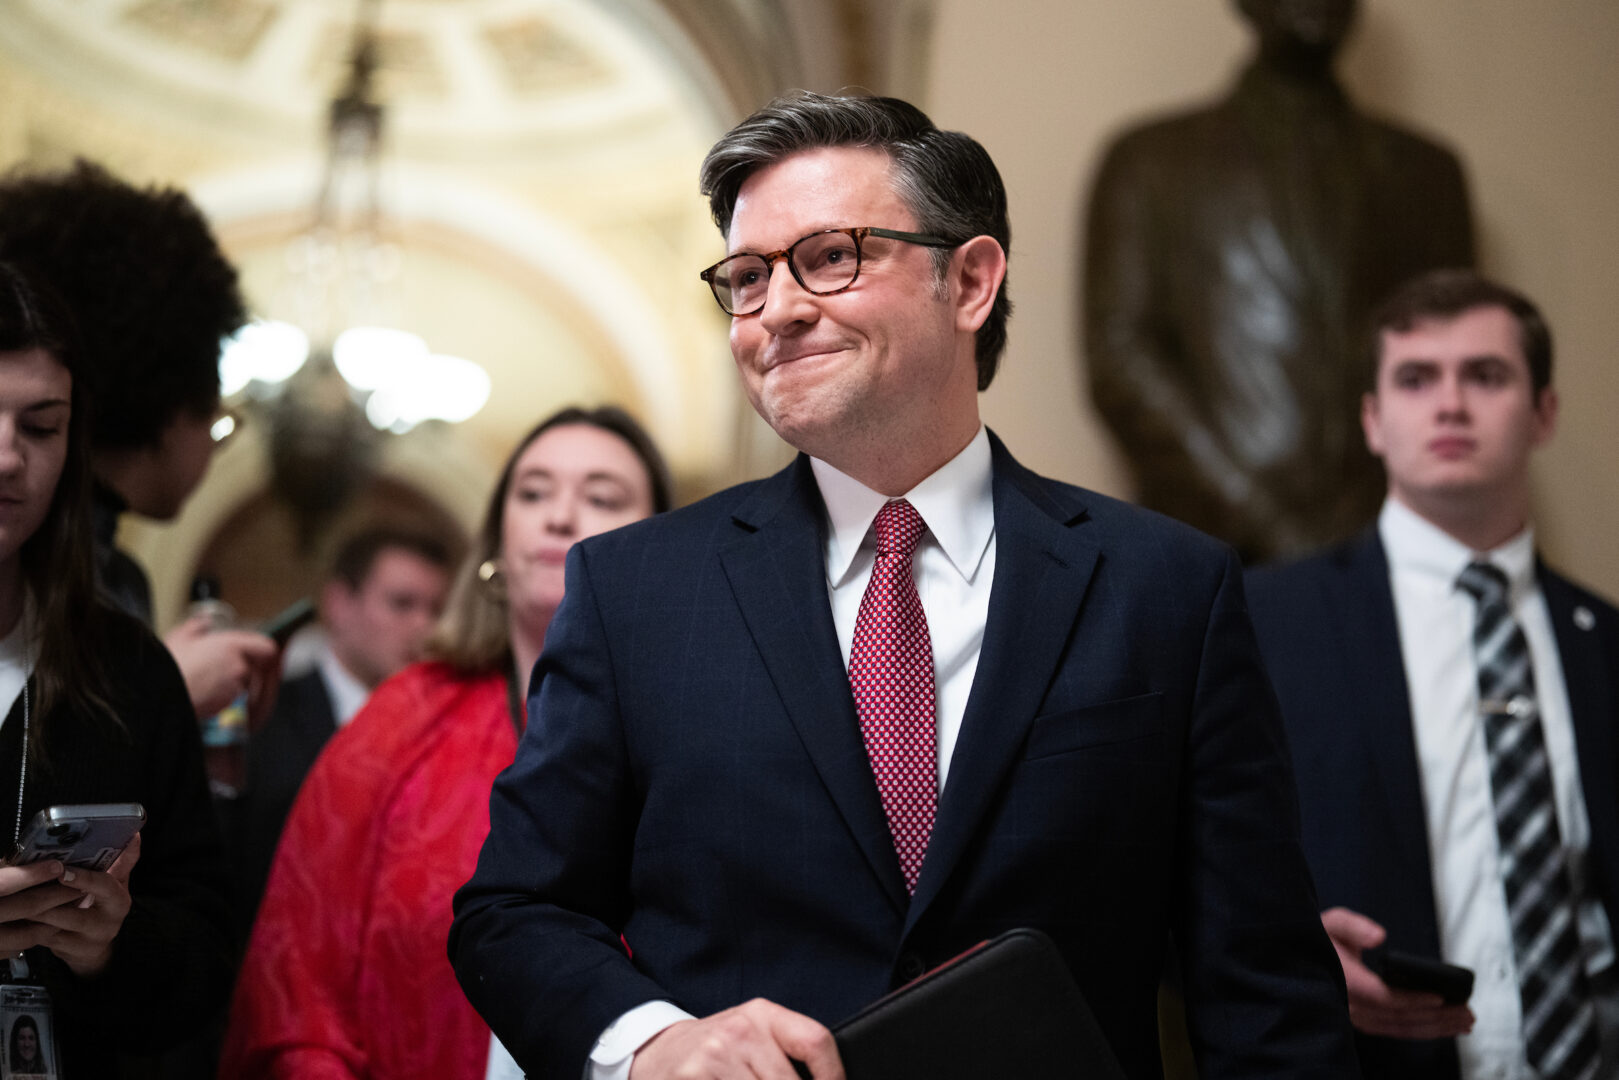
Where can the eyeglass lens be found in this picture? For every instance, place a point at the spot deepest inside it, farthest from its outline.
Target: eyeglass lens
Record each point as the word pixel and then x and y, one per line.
pixel 823 263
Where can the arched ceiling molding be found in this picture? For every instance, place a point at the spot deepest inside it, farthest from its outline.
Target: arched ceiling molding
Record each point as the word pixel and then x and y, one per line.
pixel 263 70
pixel 608 294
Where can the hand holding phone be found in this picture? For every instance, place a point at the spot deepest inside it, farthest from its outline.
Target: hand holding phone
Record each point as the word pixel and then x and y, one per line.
pixel 1376 1007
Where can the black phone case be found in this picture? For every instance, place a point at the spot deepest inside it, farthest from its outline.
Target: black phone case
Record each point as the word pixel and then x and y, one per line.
pixel 1405 971
pixel 1007 1007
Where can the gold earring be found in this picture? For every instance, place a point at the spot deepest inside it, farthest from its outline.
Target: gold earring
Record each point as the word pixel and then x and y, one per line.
pixel 491 573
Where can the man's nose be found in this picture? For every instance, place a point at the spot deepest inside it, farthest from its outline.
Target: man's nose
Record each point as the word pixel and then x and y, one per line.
pixel 786 301
pixel 1451 396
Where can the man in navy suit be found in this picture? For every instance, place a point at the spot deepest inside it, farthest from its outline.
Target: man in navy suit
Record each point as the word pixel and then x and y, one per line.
pixel 1091 749
pixel 378 605
pixel 1415 790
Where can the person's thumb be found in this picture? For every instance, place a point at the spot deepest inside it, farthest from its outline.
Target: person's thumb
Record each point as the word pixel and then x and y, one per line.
pixel 1352 929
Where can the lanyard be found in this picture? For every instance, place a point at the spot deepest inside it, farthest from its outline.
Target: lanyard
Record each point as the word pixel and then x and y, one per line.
pixel 22 774
pixel 18 963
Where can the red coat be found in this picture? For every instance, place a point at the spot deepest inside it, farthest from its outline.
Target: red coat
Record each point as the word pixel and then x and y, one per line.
pixel 346 973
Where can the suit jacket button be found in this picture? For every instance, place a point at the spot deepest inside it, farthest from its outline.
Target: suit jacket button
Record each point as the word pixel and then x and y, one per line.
pixel 911 966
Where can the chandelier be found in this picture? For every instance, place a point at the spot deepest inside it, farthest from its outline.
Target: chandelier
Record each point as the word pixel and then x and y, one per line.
pixel 339 374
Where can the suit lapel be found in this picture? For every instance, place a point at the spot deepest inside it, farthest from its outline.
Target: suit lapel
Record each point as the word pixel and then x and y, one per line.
pixel 1042 569
pixel 777 573
pixel 1379 693
pixel 1589 678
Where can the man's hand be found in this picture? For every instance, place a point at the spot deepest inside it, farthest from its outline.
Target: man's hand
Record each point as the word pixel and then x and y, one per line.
pixel 1376 1008
pixel 753 1040
pixel 220 664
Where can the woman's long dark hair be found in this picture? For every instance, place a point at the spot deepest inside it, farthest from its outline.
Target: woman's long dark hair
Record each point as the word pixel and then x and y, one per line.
pixel 58 567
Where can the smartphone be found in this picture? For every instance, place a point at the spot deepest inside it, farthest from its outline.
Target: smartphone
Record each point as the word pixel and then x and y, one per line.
pixel 289 620
pixel 90 835
pixel 1405 971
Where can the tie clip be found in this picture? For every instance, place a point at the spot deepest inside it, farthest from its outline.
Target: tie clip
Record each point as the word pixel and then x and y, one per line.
pixel 1518 705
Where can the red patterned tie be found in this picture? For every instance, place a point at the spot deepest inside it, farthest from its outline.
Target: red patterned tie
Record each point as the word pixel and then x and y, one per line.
pixel 891 672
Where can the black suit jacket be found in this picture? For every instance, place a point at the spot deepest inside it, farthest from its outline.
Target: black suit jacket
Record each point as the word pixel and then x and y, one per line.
pixel 279 756
pixel 1327 629
pixel 693 778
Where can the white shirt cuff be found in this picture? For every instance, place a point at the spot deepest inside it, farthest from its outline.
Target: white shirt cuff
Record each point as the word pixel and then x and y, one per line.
pixel 614 1052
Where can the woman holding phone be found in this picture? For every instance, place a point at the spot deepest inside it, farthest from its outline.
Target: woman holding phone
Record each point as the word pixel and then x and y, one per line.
pixel 94 711
pixel 346 974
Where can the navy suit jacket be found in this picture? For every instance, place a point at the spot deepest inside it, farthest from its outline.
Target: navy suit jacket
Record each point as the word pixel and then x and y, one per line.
pixel 279 756
pixel 693 777
pixel 1327 629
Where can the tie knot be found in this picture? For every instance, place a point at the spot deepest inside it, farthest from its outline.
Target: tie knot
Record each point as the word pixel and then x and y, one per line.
pixel 899 529
pixel 1485 582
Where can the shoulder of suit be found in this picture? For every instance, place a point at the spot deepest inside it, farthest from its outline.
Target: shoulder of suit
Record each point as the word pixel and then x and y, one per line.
pixel 1600 611
pixel 1408 143
pixel 1289 590
pixel 1128 523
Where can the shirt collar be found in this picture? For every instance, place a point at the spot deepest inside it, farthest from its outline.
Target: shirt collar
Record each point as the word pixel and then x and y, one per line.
pixel 1418 546
pixel 347 692
pixel 956 501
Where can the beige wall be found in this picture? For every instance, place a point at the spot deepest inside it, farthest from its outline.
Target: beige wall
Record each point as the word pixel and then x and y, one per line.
pixel 1527 93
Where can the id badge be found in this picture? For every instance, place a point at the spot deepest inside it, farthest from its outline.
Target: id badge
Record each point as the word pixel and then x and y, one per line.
pixel 29 1030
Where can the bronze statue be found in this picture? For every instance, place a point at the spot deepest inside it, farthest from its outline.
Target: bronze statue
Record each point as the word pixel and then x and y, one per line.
pixel 1233 255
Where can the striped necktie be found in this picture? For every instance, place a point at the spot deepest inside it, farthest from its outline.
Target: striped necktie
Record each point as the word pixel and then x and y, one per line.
pixel 1559 1021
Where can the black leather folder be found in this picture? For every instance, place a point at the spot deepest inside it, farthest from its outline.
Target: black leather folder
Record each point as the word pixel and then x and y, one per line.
pixel 1005 1008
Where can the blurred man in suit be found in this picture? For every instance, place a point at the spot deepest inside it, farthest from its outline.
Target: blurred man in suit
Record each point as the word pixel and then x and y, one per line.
pixel 1452 705
pixel 803 740
pixel 385 592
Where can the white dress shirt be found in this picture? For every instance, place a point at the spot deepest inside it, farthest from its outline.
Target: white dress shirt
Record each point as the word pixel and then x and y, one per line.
pixel 1435 620
pixel 954 566
pixel 346 693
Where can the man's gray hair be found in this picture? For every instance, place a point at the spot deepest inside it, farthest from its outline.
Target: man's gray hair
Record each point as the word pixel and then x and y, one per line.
pixel 945 178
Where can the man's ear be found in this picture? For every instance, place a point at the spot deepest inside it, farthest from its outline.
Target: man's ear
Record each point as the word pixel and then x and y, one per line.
pixel 1370 424
pixel 977 268
pixel 1546 407
pixel 336 604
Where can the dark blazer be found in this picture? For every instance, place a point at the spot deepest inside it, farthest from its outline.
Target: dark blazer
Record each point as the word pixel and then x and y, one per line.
pixel 170 971
pixel 1327 629
pixel 279 756
pixel 693 777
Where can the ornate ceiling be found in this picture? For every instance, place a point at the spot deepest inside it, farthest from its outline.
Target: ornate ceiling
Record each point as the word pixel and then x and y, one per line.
pixel 539 178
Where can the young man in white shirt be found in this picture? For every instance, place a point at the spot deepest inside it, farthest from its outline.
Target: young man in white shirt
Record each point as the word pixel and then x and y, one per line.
pixel 1452 707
